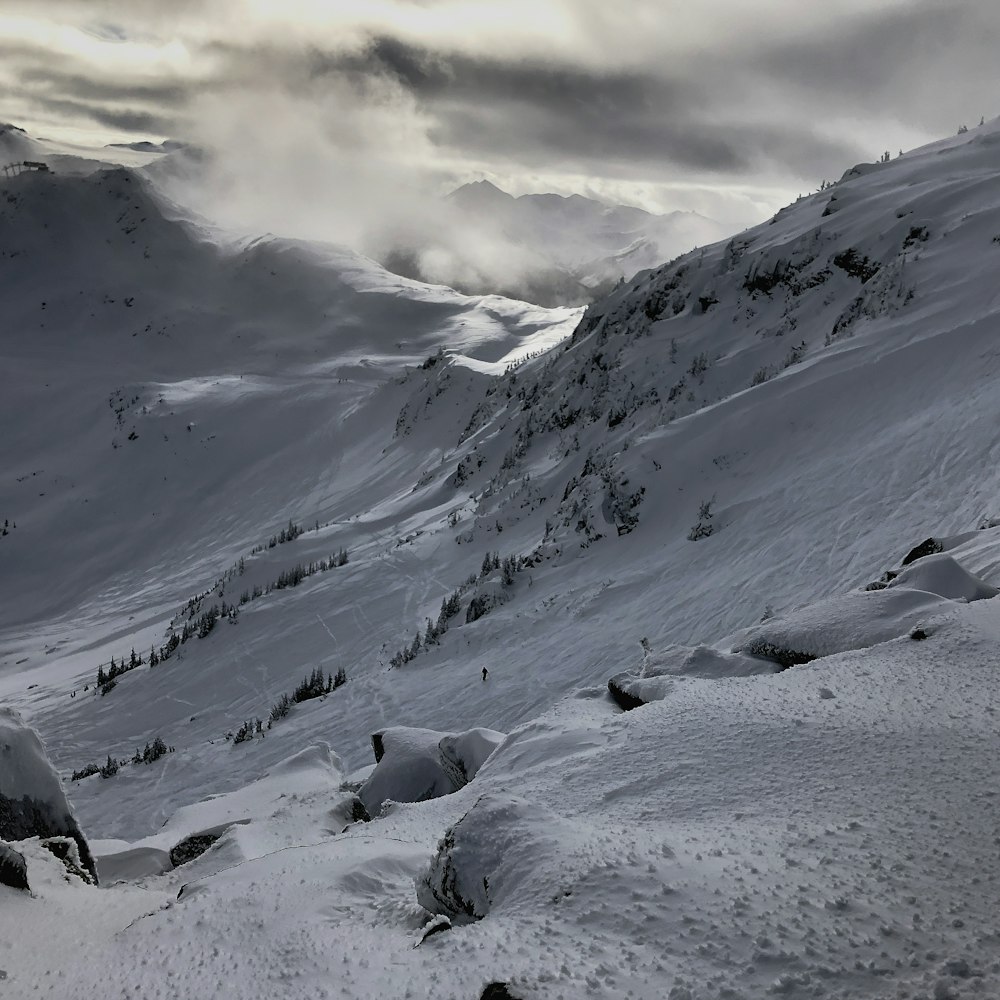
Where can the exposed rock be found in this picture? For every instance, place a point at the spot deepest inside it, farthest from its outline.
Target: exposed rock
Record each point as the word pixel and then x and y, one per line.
pixel 32 800
pixel 496 991
pixel 781 655
pixel 438 924
pixel 622 688
pixel 928 547
pixel 66 850
pixel 359 814
pixel 13 870
pixel 191 848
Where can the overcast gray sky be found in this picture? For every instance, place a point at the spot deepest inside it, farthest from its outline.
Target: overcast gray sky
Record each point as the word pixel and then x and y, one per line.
pixel 724 106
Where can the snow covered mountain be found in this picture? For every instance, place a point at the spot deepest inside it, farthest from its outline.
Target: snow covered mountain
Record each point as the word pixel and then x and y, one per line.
pixel 16 146
pixel 705 492
pixel 545 248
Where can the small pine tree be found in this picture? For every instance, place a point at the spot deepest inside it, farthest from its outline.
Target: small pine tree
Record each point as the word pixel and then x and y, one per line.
pixel 431 634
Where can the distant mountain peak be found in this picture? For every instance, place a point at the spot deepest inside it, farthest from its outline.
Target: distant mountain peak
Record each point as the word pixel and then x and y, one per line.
pixel 480 194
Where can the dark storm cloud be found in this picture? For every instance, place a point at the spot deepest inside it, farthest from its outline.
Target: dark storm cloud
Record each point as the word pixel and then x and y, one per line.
pixel 778 94
pixel 919 60
pixel 121 119
pixel 542 112
pixel 539 115
pixel 85 88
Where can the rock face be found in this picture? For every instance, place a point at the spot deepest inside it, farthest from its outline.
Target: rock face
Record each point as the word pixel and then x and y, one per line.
pixel 496 991
pixel 13 870
pixel 32 800
pixel 418 764
pixel 928 547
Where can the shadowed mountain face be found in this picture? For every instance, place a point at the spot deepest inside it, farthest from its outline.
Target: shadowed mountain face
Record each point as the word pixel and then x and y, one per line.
pixel 543 248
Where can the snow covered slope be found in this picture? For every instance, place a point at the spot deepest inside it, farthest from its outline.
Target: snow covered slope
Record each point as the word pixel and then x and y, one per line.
pixel 758 428
pixel 16 146
pixel 161 390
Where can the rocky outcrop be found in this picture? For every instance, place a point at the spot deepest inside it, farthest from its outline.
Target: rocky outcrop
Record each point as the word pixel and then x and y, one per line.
pixel 191 847
pixel 928 547
pixel 496 991
pixel 32 800
pixel 623 688
pixel 13 870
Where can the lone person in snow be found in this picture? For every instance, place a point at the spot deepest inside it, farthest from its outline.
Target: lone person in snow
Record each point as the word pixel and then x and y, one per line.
pixel 485 672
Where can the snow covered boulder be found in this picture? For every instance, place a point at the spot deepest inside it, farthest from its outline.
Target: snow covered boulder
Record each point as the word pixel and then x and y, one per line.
pixel 233 827
pixel 838 624
pixel 657 675
pixel 13 870
pixel 32 800
pixel 419 764
pixel 942 575
pixel 503 848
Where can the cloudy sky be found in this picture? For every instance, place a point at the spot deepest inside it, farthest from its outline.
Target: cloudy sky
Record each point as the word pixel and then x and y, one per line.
pixel 724 106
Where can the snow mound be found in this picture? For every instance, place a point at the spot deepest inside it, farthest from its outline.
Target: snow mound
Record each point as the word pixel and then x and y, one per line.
pixel 32 800
pixel 496 852
pixel 885 611
pixel 941 574
pixel 852 621
pixel 246 823
pixel 656 677
pixel 414 765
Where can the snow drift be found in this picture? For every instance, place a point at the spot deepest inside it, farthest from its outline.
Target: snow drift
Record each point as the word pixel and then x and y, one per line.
pixel 236 826
pixel 491 855
pixel 858 620
pixel 414 765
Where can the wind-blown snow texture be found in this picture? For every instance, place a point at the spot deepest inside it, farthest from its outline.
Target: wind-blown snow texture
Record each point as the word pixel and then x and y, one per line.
pixel 718 460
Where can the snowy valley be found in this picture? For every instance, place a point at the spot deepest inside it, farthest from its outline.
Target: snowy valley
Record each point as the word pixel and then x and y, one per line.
pixel 355 558
pixel 544 248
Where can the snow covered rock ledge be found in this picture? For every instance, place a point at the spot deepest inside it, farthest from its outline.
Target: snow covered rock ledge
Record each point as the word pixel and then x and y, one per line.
pixel 418 764
pixel 503 848
pixel 32 800
pixel 655 678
